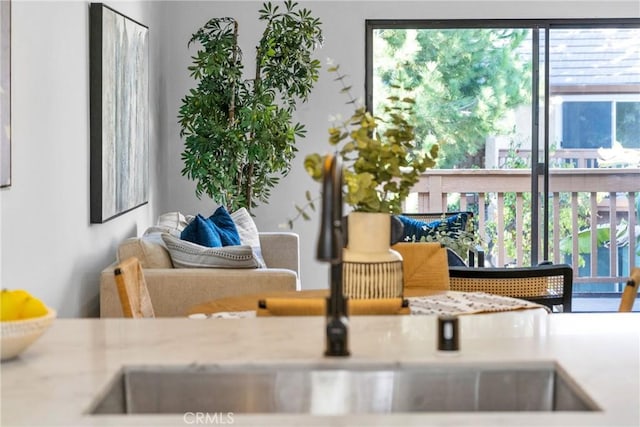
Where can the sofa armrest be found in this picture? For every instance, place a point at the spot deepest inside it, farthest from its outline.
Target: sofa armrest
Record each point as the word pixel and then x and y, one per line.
pixel 173 291
pixel 281 250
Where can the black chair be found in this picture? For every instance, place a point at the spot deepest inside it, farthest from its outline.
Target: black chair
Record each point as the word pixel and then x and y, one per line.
pixel 549 285
pixel 475 254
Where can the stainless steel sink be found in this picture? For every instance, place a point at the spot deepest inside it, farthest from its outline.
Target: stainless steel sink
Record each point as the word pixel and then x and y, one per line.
pixel 346 389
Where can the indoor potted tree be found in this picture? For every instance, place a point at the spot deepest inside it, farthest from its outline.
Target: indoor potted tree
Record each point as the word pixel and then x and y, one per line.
pixel 380 166
pixel 239 133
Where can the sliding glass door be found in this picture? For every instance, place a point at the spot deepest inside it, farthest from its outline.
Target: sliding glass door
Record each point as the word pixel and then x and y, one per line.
pixel 538 124
pixel 593 139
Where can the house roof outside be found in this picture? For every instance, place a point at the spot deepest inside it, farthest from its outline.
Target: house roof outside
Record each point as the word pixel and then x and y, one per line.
pixel 602 59
pixel 595 56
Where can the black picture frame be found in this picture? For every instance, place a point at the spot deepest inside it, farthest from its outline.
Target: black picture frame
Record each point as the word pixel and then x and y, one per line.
pixel 119 113
pixel 5 93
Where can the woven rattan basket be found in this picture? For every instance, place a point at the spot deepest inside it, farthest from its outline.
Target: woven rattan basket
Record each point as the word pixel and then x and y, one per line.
pixel 372 280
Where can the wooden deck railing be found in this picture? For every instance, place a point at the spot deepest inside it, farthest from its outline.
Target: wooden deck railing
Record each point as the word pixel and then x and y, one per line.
pixel 609 193
pixel 576 157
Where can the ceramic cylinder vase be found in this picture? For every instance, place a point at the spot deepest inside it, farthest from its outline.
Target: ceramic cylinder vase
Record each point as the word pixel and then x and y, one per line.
pixel 371 269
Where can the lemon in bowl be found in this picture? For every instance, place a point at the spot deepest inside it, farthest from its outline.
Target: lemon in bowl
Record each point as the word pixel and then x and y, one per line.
pixel 23 319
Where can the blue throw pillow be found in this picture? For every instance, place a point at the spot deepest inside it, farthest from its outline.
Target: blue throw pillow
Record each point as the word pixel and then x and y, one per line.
pixel 222 222
pixel 415 230
pixel 201 232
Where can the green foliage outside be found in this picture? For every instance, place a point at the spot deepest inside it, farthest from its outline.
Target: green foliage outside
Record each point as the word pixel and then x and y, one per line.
pixel 465 81
pixel 565 219
pixel 603 238
pixel 379 159
pixel 512 161
pixel 239 133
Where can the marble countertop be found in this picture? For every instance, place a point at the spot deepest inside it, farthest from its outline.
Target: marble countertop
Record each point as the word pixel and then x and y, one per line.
pixel 56 380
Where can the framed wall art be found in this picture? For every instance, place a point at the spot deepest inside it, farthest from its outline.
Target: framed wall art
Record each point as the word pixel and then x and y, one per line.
pixel 119 93
pixel 5 93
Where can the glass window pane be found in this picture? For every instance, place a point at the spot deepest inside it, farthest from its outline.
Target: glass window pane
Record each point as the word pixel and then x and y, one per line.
pixel 468 83
pixel 628 124
pixel 586 124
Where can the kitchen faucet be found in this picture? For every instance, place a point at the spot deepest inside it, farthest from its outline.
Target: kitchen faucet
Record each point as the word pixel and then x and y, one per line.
pixel 330 243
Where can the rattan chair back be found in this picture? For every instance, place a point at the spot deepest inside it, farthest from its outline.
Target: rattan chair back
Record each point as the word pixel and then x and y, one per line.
pixel 550 285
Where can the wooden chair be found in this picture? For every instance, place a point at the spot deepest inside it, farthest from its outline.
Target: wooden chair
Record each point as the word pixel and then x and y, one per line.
pixel 132 290
pixel 630 291
pixel 318 306
pixel 475 257
pixel 549 285
pixel 424 265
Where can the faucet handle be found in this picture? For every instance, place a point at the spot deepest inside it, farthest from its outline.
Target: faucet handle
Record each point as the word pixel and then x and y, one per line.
pixel 330 241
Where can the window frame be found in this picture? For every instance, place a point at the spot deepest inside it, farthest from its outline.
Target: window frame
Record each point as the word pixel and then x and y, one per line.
pixel 541 29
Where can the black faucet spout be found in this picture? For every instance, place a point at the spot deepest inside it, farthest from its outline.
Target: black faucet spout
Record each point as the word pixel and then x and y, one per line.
pixel 330 243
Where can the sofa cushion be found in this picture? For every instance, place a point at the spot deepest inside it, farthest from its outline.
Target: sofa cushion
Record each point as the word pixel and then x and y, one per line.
pixel 185 254
pixel 201 232
pixel 226 228
pixel 150 254
pixel 248 232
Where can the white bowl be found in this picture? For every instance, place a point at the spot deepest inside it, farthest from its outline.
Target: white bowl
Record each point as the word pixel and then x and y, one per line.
pixel 17 335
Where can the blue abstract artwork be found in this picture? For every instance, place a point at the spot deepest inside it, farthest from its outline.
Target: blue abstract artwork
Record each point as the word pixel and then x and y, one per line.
pixel 119 49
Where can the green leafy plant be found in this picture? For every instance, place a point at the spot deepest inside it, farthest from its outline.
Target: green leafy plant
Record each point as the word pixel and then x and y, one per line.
pixel 380 161
pixel 239 133
pixel 454 236
pixel 603 239
pixel 466 80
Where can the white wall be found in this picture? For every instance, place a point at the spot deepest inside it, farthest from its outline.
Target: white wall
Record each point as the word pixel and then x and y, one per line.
pixel 344 30
pixel 47 244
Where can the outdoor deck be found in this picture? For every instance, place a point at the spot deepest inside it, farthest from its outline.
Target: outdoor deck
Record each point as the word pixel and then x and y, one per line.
pixel 602 193
pixel 599 303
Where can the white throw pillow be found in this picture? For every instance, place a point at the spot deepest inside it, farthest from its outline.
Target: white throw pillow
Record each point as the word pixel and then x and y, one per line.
pixel 248 232
pixel 185 254
pixel 175 222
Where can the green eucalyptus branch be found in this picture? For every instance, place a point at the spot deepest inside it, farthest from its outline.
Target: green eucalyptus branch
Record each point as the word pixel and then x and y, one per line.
pixel 380 160
pixel 460 240
pixel 303 211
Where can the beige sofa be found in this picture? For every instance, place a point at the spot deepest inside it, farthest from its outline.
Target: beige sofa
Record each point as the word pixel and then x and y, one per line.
pixel 174 290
